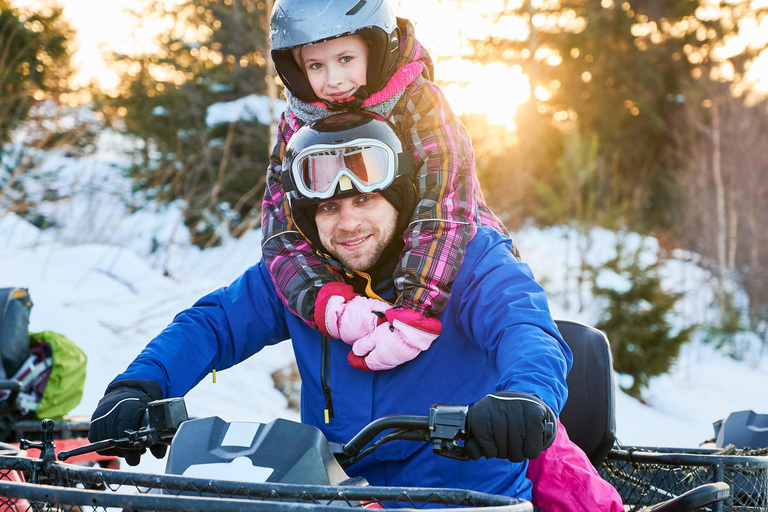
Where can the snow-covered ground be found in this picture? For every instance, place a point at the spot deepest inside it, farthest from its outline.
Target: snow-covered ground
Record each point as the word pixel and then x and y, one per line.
pixel 95 278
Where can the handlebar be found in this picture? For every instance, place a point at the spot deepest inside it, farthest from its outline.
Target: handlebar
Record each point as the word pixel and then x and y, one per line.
pixel 12 384
pixel 445 428
pixel 159 424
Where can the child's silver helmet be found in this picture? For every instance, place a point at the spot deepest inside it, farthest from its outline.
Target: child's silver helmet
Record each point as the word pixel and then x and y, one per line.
pixel 296 23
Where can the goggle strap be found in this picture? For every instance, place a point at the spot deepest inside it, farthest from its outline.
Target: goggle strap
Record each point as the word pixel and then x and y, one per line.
pixel 406 164
pixel 286 182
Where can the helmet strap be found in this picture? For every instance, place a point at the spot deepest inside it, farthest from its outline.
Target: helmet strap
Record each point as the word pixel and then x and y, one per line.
pixel 353 103
pixel 293 76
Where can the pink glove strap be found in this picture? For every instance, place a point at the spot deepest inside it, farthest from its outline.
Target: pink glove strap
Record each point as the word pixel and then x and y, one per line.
pixel 345 291
pixel 417 323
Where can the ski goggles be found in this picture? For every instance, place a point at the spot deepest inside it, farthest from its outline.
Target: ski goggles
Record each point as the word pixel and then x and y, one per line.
pixel 365 164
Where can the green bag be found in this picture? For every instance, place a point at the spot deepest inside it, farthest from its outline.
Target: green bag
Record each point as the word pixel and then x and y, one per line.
pixel 64 388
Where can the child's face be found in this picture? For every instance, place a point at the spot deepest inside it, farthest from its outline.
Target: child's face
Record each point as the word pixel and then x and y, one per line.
pixel 335 68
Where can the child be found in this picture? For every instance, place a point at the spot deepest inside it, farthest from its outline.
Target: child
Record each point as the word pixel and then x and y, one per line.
pixel 333 56
pixel 564 480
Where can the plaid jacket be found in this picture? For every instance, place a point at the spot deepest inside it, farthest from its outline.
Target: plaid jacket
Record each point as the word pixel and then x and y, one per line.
pixel 449 210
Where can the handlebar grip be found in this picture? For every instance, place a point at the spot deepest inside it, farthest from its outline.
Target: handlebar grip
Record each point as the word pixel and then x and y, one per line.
pixel 548 434
pixel 89 448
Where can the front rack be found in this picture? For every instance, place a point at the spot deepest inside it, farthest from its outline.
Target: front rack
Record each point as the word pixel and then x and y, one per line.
pixel 66 487
pixel 647 475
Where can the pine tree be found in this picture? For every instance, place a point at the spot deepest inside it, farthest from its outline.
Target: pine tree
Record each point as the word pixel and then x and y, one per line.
pixel 34 60
pixel 637 316
pixel 631 73
pixel 213 53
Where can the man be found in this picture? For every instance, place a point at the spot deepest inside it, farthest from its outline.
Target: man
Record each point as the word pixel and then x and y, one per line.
pixel 499 348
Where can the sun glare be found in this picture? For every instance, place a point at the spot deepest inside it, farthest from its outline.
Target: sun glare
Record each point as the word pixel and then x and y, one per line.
pixel 495 90
pixel 102 28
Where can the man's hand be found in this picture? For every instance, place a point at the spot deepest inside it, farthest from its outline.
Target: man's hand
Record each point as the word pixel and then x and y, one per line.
pixel 343 314
pixel 121 409
pixel 508 425
pixel 404 336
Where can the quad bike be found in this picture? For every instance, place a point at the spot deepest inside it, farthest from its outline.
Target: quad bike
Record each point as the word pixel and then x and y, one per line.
pixel 27 362
pixel 644 475
pixel 285 465
pixel 69 432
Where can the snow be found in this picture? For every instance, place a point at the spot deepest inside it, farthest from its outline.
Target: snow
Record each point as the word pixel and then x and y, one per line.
pixel 703 386
pixel 247 108
pixel 95 277
pixel 611 280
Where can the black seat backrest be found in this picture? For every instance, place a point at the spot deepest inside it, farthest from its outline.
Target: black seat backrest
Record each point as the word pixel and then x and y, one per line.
pixel 15 305
pixel 589 414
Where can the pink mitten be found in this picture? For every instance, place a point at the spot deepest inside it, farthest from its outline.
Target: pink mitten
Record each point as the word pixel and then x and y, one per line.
pixel 405 334
pixel 343 314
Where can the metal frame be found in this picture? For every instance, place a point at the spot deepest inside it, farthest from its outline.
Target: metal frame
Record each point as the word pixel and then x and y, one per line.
pixel 724 465
pixel 177 493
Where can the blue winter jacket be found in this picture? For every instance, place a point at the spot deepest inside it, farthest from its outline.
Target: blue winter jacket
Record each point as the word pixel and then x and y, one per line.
pixel 497 334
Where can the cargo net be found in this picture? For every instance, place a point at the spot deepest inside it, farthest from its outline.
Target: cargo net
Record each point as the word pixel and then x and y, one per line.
pixel 64 487
pixel 646 476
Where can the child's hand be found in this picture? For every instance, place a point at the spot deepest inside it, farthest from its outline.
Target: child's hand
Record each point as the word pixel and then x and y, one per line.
pixel 343 314
pixel 405 334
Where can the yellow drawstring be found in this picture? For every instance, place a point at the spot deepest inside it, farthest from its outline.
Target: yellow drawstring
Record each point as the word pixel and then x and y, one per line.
pixel 368 288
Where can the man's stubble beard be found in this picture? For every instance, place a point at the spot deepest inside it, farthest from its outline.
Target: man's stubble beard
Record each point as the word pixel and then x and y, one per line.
pixel 383 236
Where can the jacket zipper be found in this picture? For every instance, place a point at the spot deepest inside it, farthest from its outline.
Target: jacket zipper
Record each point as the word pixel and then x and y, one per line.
pixel 325 378
pixel 325 360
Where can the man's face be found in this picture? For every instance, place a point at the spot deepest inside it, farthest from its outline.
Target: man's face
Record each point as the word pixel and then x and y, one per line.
pixel 356 229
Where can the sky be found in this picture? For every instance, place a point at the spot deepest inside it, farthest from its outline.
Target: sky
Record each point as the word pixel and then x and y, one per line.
pixel 95 278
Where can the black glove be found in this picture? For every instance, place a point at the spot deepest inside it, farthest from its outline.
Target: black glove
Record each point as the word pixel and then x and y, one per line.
pixel 121 409
pixel 509 425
